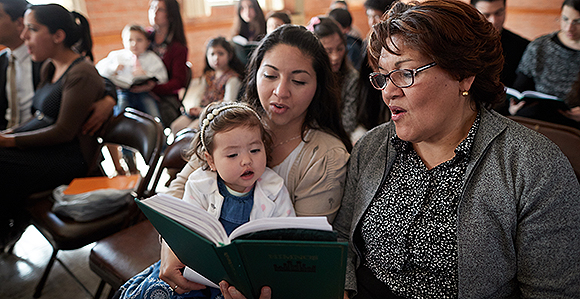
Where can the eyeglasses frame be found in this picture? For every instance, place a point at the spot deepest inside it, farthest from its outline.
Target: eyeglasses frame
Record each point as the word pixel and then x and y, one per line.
pixel 413 73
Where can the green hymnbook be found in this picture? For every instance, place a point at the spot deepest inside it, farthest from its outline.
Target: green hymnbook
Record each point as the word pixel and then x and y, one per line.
pixel 298 257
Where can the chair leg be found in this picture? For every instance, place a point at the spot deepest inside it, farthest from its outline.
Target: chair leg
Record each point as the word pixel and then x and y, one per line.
pixel 112 293
pixel 100 289
pixel 42 281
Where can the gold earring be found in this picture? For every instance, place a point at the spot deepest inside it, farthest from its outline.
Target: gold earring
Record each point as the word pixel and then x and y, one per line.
pixel 465 93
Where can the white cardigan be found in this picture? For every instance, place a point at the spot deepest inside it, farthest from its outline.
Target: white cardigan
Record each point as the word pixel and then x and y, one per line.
pixel 271 198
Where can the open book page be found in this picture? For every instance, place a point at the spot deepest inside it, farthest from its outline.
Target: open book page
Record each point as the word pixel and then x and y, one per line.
pixel 191 275
pixel 317 223
pixel 529 93
pixel 206 225
pixel 190 216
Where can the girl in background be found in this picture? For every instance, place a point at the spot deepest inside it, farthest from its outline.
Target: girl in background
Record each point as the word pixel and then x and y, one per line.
pixel 276 19
pixel 221 81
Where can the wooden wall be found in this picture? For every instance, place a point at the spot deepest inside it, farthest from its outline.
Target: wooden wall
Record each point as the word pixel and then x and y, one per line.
pixel 529 18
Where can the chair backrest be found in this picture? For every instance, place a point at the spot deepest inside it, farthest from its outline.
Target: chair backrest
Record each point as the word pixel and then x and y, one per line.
pixel 188 78
pixel 173 157
pixel 567 138
pixel 141 132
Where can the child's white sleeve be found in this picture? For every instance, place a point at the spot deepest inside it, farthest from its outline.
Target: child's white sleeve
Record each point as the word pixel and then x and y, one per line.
pixel 155 68
pixel 108 65
pixel 284 206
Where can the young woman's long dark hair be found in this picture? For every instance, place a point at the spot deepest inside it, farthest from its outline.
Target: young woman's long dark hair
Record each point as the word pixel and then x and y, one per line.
pixel 55 17
pixel 324 111
pixel 257 26
pixel 176 31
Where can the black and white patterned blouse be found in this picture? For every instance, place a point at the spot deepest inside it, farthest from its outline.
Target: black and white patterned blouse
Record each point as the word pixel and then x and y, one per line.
pixel 410 227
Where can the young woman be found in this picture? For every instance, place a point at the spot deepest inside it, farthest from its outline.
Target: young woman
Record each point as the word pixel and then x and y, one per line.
pixel 249 22
pixel 49 149
pixel 290 82
pixel 168 41
pixel 550 65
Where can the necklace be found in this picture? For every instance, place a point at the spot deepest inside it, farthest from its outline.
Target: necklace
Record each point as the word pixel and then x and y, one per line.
pixel 286 141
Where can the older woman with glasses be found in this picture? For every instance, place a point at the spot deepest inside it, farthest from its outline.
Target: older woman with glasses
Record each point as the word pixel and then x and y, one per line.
pixel 450 199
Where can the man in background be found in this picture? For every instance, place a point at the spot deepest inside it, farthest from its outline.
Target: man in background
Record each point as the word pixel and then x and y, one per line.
pixel 27 72
pixel 513 44
pixel 353 43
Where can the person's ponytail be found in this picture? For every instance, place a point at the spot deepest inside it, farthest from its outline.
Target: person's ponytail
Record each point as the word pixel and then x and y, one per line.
pixel 84 45
pixel 56 17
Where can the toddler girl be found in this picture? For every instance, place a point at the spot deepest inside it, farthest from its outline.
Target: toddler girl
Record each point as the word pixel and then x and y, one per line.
pixel 233 184
pixel 221 79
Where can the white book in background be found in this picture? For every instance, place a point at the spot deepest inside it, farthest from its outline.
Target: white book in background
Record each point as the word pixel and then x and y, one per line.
pixel 529 94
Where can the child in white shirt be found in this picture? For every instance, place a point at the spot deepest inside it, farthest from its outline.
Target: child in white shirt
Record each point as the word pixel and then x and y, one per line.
pixel 131 66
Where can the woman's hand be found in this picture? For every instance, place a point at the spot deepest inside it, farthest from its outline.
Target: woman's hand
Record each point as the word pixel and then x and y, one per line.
pixel 7 140
pixel 195 111
pixel 101 110
pixel 573 113
pixel 514 107
pixel 170 272
pixel 144 88
pixel 230 292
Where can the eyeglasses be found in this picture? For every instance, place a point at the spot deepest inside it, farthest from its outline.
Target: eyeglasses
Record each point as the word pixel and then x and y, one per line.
pixel 401 78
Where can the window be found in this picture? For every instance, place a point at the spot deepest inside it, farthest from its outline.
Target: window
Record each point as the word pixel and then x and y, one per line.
pixel 197 8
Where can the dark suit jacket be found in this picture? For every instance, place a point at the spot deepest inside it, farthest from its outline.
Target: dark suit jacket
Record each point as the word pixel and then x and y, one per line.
pixel 3 97
pixel 513 48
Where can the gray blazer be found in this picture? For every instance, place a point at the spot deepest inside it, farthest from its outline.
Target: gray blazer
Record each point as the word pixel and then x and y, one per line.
pixel 518 222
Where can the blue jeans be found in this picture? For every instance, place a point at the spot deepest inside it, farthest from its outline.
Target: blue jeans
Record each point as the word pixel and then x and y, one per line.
pixel 148 285
pixel 142 101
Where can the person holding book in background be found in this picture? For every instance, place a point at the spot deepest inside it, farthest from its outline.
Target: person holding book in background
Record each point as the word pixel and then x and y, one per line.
pixel 450 199
pixel 334 42
pixel 221 81
pixel 275 19
pixel 233 184
pixel 290 82
pixel 249 27
pixel 132 66
pixel 513 45
pixel 168 42
pixel 550 63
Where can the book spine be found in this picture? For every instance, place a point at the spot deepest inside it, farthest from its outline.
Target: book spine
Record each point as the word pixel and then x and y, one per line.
pixel 234 267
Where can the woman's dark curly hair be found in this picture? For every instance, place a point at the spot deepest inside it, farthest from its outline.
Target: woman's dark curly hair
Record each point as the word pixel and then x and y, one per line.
pixel 454 35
